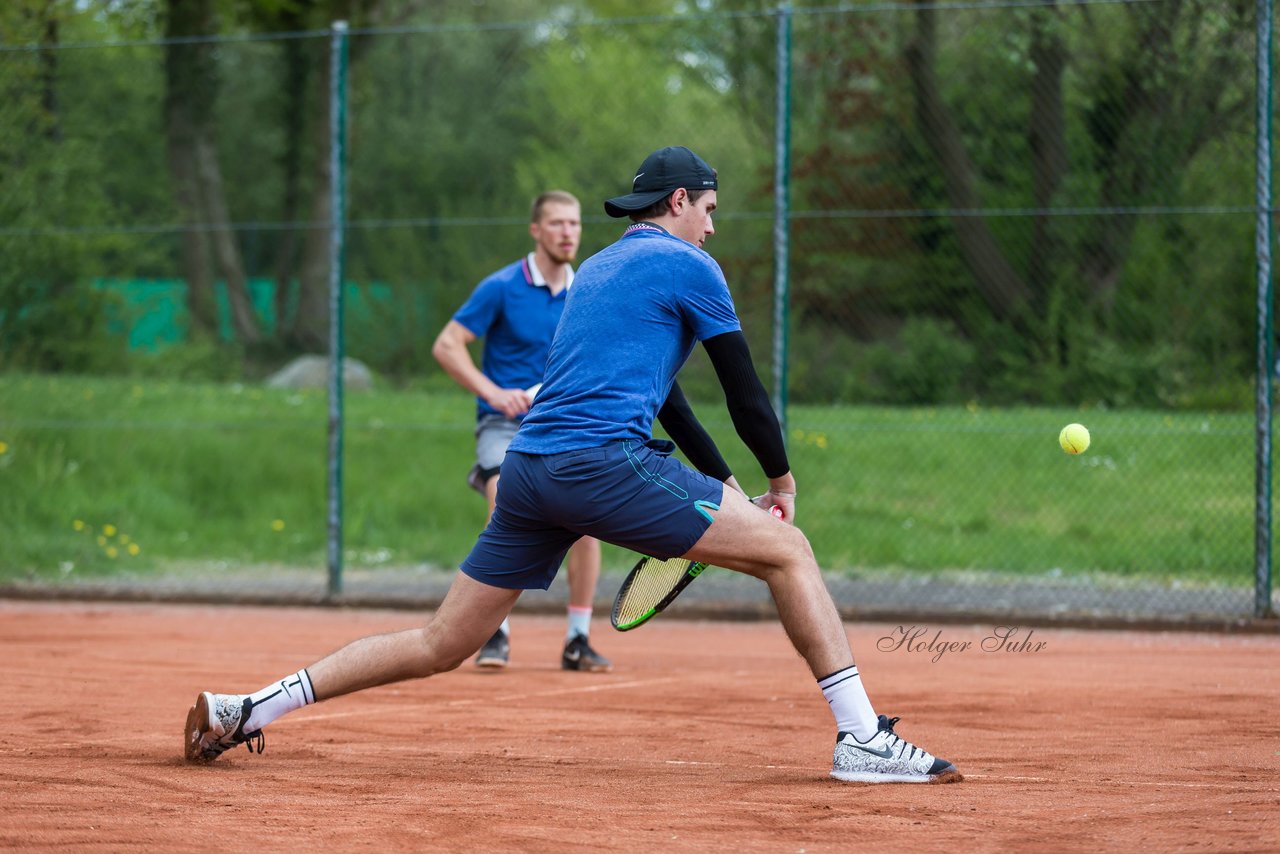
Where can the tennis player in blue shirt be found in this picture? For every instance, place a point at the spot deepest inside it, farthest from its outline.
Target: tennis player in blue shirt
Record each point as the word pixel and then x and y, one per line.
pixel 516 311
pixel 584 464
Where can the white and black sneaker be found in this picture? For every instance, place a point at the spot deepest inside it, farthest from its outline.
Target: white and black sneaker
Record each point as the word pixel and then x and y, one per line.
pixel 495 652
pixel 578 655
pixel 215 724
pixel 887 758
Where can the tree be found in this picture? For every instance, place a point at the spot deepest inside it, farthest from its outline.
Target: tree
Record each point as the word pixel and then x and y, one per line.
pixel 1149 109
pixel 208 243
pixel 50 316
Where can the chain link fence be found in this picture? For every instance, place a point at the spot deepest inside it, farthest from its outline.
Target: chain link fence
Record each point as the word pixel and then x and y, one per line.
pixel 1000 218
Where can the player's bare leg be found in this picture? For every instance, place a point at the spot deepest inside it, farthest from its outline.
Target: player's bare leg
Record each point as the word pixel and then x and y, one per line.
pixel 495 654
pixel 748 539
pixel 469 614
pixel 584 572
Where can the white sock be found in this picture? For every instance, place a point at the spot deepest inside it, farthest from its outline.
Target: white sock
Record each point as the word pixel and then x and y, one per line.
pixel 506 627
pixel 843 690
pixel 579 622
pixel 279 698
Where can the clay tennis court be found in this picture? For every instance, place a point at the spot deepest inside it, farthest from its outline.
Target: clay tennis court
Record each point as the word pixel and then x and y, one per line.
pixel 706 736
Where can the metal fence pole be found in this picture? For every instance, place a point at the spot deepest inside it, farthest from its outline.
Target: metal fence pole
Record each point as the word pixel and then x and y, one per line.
pixel 337 219
pixel 1262 238
pixel 782 215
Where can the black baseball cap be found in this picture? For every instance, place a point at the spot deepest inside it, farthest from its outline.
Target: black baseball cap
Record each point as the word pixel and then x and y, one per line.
pixel 660 175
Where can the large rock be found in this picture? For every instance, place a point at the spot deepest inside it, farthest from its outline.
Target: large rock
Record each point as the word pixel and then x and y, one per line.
pixel 313 372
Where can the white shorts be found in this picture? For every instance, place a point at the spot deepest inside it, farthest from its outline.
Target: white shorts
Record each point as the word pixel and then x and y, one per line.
pixel 493 434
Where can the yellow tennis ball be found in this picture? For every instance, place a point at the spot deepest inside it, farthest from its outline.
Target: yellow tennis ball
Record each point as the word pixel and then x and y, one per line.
pixel 1074 439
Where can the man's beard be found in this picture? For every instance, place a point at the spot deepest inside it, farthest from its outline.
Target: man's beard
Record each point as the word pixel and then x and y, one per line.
pixel 558 256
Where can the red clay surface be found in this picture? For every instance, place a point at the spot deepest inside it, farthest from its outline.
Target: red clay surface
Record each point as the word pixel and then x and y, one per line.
pixel 707 736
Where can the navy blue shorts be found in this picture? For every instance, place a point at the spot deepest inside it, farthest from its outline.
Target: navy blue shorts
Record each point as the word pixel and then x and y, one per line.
pixel 628 493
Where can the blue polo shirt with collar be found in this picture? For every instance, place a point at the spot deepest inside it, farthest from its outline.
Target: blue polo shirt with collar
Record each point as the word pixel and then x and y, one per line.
pixel 516 314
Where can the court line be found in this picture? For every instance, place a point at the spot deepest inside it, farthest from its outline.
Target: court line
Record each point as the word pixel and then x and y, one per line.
pixel 471 701
pixel 596 760
pixel 1014 778
pixel 560 758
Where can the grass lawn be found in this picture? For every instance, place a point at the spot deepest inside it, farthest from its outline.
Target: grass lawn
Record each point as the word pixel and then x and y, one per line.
pixel 102 474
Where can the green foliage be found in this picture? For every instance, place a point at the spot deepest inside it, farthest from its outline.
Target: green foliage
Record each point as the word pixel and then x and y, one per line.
pixel 196 361
pixel 1098 371
pixel 926 363
pixel 929 363
pixel 453 128
pixel 65 331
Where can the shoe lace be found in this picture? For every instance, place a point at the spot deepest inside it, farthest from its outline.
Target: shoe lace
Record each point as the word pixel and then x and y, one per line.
pixel 255 741
pixel 886 726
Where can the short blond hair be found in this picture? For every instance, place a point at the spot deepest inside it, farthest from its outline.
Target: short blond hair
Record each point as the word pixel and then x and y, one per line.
pixel 551 196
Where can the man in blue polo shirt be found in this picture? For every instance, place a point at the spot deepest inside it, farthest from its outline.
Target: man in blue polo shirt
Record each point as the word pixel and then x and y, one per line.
pixel 584 463
pixel 516 311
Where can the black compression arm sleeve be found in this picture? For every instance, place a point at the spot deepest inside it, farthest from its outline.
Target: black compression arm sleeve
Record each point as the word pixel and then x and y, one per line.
pixel 677 418
pixel 753 416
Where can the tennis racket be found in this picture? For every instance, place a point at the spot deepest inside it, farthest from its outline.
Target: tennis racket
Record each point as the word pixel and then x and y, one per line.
pixel 652 585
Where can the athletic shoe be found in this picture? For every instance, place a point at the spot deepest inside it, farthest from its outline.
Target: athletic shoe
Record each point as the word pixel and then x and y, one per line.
pixel 578 655
pixel 495 652
pixel 886 758
pixel 216 724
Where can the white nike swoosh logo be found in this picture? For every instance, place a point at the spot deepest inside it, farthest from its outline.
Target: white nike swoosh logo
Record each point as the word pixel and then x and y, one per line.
pixel 633 180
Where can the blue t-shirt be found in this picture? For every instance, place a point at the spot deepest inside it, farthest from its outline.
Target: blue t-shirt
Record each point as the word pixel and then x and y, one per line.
pixel 636 311
pixel 516 314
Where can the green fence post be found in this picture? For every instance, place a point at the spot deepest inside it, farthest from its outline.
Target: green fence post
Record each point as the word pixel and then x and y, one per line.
pixel 782 215
pixel 1262 239
pixel 337 220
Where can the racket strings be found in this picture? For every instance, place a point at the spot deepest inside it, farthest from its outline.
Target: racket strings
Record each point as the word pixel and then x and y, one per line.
pixel 649 587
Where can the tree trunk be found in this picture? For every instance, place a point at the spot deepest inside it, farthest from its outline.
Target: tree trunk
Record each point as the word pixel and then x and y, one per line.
pixel 49 75
pixel 310 329
pixel 298 59
pixel 191 77
pixel 185 99
pixel 311 322
pixel 1047 137
pixel 223 240
pixel 999 284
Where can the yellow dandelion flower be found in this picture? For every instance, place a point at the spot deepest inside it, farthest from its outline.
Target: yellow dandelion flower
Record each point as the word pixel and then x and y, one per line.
pixel 4 448
pixel 822 442
pixel 123 538
pixel 133 548
pixel 109 530
pixel 112 551
pixel 78 524
pixel 102 541
pixel 277 525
